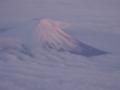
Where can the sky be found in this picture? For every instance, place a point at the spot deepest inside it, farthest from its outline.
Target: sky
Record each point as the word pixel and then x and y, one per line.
pixel 73 10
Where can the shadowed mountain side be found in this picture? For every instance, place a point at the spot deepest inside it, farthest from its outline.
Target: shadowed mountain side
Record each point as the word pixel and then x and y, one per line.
pixel 87 50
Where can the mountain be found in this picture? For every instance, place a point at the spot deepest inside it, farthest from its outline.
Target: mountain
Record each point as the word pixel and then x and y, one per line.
pixel 51 35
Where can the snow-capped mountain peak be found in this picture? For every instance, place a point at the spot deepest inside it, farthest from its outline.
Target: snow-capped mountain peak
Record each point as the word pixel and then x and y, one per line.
pixel 50 34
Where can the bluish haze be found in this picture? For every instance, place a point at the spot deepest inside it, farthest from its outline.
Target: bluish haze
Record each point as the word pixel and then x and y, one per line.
pixel 38 40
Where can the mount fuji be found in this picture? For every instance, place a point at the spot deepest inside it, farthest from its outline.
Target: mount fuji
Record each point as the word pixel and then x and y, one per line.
pixel 51 35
